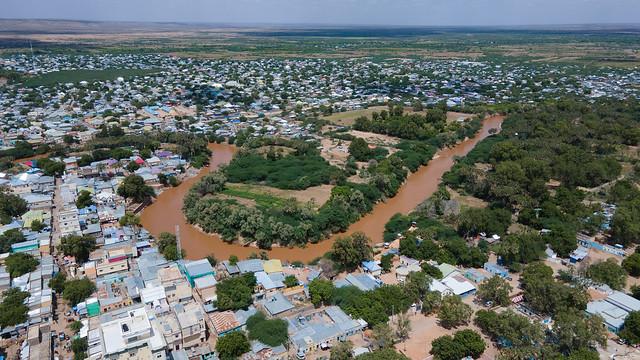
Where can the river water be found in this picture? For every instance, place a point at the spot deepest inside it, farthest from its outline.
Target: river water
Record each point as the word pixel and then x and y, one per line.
pixel 166 211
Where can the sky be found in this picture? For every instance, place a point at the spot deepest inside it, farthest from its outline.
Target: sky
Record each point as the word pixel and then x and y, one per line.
pixel 334 12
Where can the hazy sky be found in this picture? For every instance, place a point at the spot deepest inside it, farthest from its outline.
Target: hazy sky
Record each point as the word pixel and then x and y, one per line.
pixel 374 12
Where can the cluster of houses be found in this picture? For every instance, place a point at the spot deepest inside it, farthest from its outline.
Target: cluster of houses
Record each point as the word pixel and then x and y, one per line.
pixel 273 89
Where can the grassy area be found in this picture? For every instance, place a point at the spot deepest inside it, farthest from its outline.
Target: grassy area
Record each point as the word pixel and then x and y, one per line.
pixel 347 118
pixel 73 76
pixel 247 192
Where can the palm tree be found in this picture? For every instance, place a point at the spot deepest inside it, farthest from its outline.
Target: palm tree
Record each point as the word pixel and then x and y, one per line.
pixel 402 325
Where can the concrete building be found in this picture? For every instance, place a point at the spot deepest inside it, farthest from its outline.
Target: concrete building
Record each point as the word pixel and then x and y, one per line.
pixel 68 220
pixel 130 334
pixel 614 309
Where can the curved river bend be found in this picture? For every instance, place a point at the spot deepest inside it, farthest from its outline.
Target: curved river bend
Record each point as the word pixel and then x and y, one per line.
pixel 166 211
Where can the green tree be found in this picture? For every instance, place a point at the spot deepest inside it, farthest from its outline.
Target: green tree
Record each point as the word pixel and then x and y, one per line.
pixel 132 166
pixel 382 336
pixel 77 290
pixel 79 346
pixel 453 312
pixel 57 282
pixel 133 187
pixel 547 296
pixel 235 293
pixel 75 326
pixel 342 351
pixel 13 311
pixel 402 326
pixel 386 261
pixel 625 226
pixel 9 238
pixel 359 149
pixel 471 341
pixel 84 199
pixel 320 291
pixel 496 290
pixel 383 354
pixel 68 139
pixel 232 345
pixel 431 302
pixel 431 270
pixel 78 246
pixel 168 246
pixel 11 206
pixel 608 272
pixel 291 281
pixel 20 263
pixel 632 264
pixel 635 291
pixel 272 332
pixel 573 330
pixel 37 225
pixel 631 328
pixel 446 348
pixel 350 251
pixel 510 328
pixel 584 354
pixel 51 167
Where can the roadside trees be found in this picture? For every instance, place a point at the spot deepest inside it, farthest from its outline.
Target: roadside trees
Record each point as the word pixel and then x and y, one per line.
pixel 77 290
pixel 496 290
pixel 453 312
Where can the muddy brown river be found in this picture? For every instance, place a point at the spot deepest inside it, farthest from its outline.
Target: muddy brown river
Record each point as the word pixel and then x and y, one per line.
pixel 166 211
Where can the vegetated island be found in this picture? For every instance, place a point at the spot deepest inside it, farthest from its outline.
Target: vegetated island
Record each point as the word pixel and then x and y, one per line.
pixel 240 201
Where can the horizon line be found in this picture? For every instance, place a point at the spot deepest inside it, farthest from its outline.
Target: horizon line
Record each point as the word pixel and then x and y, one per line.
pixel 354 25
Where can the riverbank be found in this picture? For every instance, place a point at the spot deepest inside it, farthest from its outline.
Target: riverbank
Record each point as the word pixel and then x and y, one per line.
pixel 166 211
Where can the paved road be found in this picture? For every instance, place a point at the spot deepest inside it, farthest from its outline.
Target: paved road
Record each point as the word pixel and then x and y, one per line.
pixel 57 205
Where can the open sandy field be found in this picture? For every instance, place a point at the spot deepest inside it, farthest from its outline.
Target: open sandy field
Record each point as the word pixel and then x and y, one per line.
pixel 453 116
pixel 467 201
pixel 376 139
pixel 334 151
pixel 425 329
pixel 347 118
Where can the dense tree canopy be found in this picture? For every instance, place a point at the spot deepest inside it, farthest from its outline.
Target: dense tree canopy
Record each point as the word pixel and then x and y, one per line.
pixel 133 187
pixel 11 206
pixel 20 263
pixel 453 312
pixel 608 272
pixel 78 290
pixel 78 246
pixel 13 311
pixel 547 296
pixel 272 332
pixel 495 289
pixel 232 345
pixel 632 264
pixel 631 328
pixel 509 329
pixel 235 293
pixel 571 142
pixel 84 199
pixel 349 251
pixel 463 343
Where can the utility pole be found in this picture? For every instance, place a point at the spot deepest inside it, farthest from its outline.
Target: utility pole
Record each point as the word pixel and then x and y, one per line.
pixel 178 247
pixel 33 59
